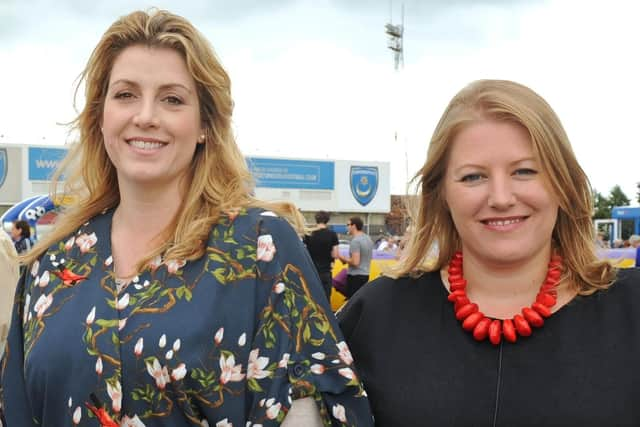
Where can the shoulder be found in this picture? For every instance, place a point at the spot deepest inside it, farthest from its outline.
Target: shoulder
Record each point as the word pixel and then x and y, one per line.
pixel 253 221
pixel 383 296
pixel 627 282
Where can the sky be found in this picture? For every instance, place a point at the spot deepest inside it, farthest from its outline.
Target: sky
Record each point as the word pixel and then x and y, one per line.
pixel 315 80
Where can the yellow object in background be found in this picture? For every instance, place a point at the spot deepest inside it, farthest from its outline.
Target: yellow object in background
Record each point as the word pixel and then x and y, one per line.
pixel 377 265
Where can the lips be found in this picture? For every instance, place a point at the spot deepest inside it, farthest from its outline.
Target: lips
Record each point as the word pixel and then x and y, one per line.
pixel 502 222
pixel 144 143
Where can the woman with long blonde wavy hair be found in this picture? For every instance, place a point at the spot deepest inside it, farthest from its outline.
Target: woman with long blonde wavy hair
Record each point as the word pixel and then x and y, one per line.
pixel 499 312
pixel 166 293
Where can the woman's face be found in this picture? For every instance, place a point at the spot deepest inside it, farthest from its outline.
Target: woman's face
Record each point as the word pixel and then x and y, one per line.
pixel 16 233
pixel 151 120
pixel 497 195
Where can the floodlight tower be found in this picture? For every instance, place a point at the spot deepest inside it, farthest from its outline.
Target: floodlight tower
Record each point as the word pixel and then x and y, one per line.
pixel 395 34
pixel 394 42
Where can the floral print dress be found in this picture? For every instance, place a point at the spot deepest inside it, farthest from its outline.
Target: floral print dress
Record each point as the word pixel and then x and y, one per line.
pixel 229 339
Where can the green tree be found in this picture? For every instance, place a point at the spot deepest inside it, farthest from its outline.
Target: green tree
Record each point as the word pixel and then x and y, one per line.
pixel 638 193
pixel 617 197
pixel 601 207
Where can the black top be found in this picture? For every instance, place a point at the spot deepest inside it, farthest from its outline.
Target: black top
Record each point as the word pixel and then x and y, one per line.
pixel 420 368
pixel 319 244
pixel 22 245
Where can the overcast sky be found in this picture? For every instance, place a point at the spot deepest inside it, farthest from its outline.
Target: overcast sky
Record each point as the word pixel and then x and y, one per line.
pixel 314 79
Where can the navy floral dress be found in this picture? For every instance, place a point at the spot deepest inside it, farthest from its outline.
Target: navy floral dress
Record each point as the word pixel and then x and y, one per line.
pixel 229 339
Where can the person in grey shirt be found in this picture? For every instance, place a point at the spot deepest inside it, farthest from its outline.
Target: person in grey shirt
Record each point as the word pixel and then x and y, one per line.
pixel 359 259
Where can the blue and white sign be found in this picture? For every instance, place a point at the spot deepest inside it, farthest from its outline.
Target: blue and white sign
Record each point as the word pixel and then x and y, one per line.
pixel 43 162
pixel 364 183
pixel 295 174
pixel 4 164
pixel 29 209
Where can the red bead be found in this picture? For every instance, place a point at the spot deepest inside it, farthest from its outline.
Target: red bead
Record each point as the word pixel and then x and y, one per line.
pixel 481 331
pixel 495 332
pixel 522 326
pixel 509 331
pixel 457 255
pixel 472 320
pixel 462 301
pixel 466 310
pixel 542 309
pixel 454 277
pixel 455 270
pixel 458 285
pixel 455 295
pixel 532 317
pixel 553 274
pixel 546 298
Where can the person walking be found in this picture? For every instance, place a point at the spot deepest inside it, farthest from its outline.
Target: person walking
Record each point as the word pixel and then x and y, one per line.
pixel 360 255
pixel 322 245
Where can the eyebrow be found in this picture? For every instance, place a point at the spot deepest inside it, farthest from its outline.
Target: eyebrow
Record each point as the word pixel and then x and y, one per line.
pixel 162 87
pixel 474 166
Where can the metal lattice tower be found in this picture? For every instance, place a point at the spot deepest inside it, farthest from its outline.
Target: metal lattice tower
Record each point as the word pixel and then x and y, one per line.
pixel 395 41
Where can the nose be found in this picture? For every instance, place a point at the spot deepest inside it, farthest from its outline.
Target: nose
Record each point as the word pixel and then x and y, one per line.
pixel 146 115
pixel 501 193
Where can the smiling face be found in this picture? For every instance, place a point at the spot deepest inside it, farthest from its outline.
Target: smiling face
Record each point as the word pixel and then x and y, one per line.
pixel 151 120
pixel 495 189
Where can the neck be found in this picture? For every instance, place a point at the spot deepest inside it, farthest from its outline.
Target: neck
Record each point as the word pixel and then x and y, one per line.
pixel 149 209
pixel 502 290
pixel 138 223
pixel 321 225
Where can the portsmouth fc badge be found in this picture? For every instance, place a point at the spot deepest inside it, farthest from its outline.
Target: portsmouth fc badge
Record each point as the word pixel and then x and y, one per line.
pixel 364 183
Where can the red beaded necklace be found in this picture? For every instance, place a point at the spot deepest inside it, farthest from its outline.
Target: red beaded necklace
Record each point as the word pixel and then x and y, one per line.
pixel 474 320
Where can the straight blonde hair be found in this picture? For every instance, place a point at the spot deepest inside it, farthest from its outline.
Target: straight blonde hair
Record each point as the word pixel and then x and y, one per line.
pixel 506 101
pixel 220 179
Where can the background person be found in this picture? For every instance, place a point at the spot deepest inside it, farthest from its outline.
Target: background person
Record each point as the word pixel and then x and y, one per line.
pixel 513 321
pixel 322 245
pixel 21 235
pixel 360 255
pixel 173 296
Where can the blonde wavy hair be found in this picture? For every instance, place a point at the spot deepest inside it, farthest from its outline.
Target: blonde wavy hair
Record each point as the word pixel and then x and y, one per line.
pixel 506 101
pixel 219 181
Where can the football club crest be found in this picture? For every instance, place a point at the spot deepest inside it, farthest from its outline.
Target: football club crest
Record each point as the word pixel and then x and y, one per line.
pixel 364 183
pixel 4 164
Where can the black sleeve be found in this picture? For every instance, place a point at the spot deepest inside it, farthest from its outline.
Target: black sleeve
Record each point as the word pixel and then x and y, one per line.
pixel 349 317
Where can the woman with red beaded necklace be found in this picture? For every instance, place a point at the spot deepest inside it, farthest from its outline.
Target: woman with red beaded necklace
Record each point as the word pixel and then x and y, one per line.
pixel 516 322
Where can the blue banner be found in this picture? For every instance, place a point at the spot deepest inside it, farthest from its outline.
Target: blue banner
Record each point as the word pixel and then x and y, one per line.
pixel 43 162
pixel 283 173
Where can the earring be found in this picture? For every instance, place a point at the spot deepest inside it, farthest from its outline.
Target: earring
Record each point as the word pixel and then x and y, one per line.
pixel 201 139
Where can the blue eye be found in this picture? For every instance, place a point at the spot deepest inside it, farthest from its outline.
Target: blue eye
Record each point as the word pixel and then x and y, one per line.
pixel 472 177
pixel 123 95
pixel 525 171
